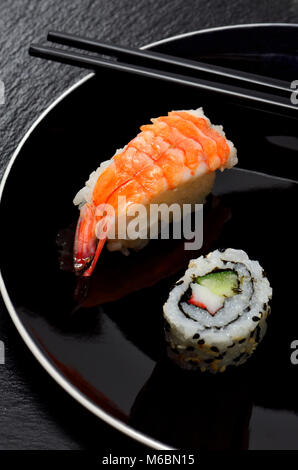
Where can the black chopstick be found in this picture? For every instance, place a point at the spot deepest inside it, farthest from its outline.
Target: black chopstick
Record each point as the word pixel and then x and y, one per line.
pixel 96 63
pixel 164 59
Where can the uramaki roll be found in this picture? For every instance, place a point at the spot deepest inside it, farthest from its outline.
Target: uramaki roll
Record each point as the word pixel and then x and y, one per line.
pixel 216 314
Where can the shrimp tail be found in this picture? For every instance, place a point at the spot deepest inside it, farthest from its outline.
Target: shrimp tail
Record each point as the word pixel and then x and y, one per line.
pixel 85 239
pixel 87 247
pixel 99 248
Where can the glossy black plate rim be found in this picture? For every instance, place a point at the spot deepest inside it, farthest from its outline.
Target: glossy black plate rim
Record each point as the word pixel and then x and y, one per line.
pixel 36 351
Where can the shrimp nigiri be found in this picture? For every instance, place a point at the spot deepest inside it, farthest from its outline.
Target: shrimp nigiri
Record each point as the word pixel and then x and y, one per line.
pixel 172 160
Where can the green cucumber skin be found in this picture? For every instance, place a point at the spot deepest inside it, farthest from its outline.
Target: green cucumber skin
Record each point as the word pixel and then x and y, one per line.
pixel 223 283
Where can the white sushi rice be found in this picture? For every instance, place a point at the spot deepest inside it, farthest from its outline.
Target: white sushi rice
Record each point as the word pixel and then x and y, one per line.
pixel 234 331
pixel 193 190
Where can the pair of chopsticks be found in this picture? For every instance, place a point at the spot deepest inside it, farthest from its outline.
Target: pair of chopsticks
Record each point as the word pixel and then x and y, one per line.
pixel 255 89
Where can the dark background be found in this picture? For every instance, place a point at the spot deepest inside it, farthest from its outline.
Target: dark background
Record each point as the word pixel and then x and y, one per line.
pixel 35 413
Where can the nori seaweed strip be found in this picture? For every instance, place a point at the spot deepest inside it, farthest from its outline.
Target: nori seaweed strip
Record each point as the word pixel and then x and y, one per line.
pixel 187 294
pixel 185 298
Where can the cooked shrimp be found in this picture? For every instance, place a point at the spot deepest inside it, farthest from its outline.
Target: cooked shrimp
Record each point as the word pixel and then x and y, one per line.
pixel 171 160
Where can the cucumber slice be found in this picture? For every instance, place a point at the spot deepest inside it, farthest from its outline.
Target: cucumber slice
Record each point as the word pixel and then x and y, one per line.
pixel 223 283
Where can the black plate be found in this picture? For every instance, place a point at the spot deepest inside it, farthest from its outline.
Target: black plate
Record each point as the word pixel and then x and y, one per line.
pixel 110 355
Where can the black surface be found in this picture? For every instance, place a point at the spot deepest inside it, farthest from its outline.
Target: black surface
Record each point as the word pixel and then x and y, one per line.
pixel 34 411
